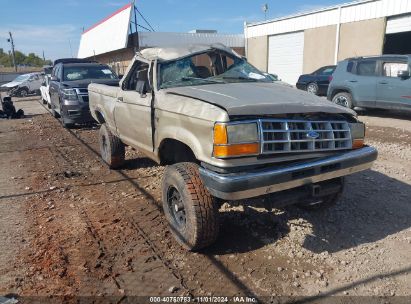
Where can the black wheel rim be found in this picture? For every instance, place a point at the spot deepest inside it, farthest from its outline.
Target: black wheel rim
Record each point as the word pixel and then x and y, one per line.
pixel 176 207
pixel 342 101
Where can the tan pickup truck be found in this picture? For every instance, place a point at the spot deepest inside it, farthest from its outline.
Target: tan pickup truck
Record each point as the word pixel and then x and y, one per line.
pixel 226 132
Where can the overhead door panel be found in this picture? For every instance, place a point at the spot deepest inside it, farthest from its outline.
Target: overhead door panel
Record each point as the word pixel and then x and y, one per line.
pixel 285 56
pixel 399 24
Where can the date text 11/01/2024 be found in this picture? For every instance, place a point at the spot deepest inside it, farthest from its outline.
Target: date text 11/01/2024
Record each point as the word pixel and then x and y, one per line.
pixel 205 299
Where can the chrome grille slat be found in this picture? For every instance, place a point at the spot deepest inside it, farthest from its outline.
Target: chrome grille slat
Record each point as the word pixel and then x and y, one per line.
pixel 291 136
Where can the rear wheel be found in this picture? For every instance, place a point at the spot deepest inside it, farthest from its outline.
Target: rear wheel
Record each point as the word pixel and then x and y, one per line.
pixel 312 88
pixel 343 99
pixel 189 208
pixel 112 148
pixel 23 92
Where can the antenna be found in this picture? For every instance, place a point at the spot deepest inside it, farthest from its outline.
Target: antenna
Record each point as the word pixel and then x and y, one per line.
pixel 265 10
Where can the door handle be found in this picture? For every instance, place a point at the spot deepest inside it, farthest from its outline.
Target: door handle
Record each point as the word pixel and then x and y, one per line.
pixel 120 99
pixel 383 82
pixel 353 81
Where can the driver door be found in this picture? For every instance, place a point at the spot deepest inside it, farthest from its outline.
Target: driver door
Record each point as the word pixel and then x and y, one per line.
pixel 132 113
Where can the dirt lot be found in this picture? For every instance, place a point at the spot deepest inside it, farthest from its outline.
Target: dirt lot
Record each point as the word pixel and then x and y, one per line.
pixel 71 227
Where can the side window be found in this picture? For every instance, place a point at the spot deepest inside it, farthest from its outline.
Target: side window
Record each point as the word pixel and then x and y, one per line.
pixel 327 71
pixel 391 69
pixel 56 71
pixel 350 67
pixel 138 79
pixel 367 68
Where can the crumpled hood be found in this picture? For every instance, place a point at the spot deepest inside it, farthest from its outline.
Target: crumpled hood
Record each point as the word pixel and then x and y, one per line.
pixel 84 83
pixel 11 84
pixel 259 98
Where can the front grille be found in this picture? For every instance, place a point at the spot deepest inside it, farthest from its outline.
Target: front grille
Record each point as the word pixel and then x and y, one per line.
pixel 82 94
pixel 287 136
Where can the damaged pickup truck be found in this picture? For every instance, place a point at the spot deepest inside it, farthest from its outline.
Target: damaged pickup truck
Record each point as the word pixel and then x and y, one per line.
pixel 226 132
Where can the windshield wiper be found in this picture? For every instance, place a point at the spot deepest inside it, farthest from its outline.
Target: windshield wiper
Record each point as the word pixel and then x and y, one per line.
pixel 240 78
pixel 202 79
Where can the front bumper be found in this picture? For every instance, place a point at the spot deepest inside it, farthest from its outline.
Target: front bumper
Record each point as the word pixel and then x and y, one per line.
pixel 77 114
pixel 243 185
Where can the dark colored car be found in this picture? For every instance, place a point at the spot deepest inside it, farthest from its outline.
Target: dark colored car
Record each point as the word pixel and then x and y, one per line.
pixel 316 82
pixel 382 82
pixel 68 88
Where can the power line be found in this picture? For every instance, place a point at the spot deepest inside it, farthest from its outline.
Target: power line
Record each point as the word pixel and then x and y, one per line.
pixel 148 23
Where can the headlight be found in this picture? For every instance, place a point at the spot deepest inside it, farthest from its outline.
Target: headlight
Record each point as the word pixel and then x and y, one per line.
pixel 69 94
pixel 235 139
pixel 357 134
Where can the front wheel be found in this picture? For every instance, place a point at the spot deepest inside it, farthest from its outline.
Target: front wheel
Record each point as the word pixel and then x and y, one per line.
pixel 23 92
pixel 188 206
pixel 112 149
pixel 54 112
pixel 343 99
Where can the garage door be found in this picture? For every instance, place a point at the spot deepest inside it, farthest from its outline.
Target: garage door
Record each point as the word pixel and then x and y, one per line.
pixel 399 24
pixel 285 56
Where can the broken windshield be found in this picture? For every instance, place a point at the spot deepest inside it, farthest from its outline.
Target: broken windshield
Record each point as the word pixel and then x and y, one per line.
pixel 206 68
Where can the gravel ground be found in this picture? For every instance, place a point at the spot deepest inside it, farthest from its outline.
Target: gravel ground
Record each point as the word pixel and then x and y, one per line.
pixel 71 227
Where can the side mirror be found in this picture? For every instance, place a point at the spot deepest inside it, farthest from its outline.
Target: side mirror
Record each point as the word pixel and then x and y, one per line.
pixel 403 74
pixel 120 76
pixel 54 78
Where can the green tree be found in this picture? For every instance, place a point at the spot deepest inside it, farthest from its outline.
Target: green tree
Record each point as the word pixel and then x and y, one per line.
pixel 21 59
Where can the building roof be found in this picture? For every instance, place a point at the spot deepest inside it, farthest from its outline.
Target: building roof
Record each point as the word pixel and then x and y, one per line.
pixel 171 53
pixel 331 15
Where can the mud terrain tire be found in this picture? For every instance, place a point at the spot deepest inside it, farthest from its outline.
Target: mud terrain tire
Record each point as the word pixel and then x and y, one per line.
pixel 111 148
pixel 189 208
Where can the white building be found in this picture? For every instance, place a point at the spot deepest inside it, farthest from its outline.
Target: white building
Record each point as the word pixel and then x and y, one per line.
pixel 113 42
pixel 302 43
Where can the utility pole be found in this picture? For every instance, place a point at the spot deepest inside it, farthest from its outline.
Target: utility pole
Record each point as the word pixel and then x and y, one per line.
pixel 265 10
pixel 12 50
pixel 44 58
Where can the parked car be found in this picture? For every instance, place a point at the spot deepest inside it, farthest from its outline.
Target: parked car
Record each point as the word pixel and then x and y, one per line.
pixel 317 82
pixel 373 82
pixel 24 85
pixel 226 132
pixel 45 91
pixel 68 88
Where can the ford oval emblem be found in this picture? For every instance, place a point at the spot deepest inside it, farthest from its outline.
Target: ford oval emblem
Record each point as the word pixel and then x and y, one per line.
pixel 313 135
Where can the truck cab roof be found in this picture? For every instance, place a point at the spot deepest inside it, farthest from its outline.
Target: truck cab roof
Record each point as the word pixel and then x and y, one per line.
pixel 172 53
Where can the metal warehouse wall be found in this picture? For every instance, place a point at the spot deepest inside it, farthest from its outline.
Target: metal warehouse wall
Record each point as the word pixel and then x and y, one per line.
pixel 350 12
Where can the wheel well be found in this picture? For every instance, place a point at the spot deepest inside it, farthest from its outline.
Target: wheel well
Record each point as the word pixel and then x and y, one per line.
pixel 172 151
pixel 100 117
pixel 336 91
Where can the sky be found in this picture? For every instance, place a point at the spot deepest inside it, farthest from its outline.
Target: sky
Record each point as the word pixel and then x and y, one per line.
pixel 55 26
